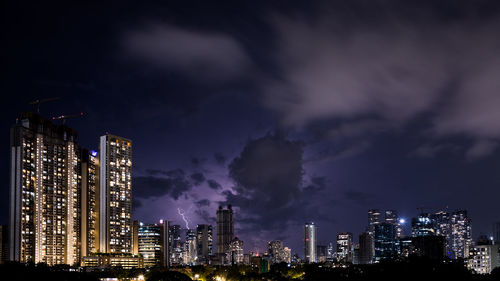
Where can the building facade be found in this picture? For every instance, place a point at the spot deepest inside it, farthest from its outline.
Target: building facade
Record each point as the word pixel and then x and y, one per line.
pixel 225 229
pixel 310 243
pixel 344 247
pixel 204 243
pixel 44 218
pixel 115 202
pixel 483 258
pixel 153 243
pixel 461 234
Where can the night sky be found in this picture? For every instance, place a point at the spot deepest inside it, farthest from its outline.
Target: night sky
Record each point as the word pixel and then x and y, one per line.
pixel 313 111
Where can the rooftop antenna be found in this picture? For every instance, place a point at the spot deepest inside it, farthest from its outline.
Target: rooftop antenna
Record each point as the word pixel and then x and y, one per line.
pixel 40 101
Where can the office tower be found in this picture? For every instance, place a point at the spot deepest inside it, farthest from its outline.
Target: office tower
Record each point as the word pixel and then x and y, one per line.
pixel 175 245
pixel 310 243
pixel 373 219
pixel 366 248
pixel 391 216
pixel 355 254
pixel 225 229
pixel 274 248
pixel 204 243
pixel 441 221
pixel 344 247
pixel 386 245
pixel 4 244
pixel 236 251
pixel 320 253
pixel 496 233
pixel 483 259
pixel 423 225
pixel 330 252
pixel 153 243
pixel 115 227
pixel 44 221
pixel 89 202
pixel 461 237
pixel 190 247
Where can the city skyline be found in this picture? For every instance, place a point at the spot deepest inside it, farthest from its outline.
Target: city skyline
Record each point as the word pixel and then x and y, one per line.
pixel 393 110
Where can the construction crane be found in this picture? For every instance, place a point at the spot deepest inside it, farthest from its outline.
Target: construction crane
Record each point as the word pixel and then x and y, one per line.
pixel 64 117
pixel 422 208
pixel 38 102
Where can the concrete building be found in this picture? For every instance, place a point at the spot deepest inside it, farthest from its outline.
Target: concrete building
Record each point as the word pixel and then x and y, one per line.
pixel 4 244
pixel 236 251
pixel 89 202
pixel 483 258
pixel 204 242
pixel 225 230
pixel 461 234
pixel 115 200
pixel 44 217
pixel 153 243
pixel 310 255
pixel 344 247
pixel 366 248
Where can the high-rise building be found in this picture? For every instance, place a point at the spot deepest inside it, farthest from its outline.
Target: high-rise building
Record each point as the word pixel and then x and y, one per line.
pixel 423 225
pixel 175 245
pixel 321 253
pixel 278 253
pixel 310 243
pixel 483 258
pixel 44 220
pixel 135 237
pixel 366 248
pixel 153 243
pixel 391 216
pixel 204 242
pixel 431 247
pixel 236 251
pixel 190 248
pixel 330 252
pixel 344 247
pixel 89 202
pixel 115 202
pixel 461 236
pixel 374 218
pixel 225 229
pixel 386 245
pixel 442 228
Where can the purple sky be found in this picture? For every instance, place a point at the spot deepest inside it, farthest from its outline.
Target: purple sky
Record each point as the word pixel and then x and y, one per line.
pixel 289 111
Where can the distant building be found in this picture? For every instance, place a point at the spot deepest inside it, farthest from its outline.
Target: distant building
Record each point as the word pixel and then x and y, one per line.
pixel 483 258
pixel 432 247
pixel 310 243
pixel 278 253
pixel 441 222
pixel 115 227
pixel 391 216
pixel 236 251
pixel 190 248
pixel 461 234
pixel 330 253
pixel 374 218
pixel 423 225
pixel 225 229
pixel 321 253
pixel 153 243
pixel 175 245
pixel 496 233
pixel 385 241
pixel 366 248
pixel 344 247
pixel 204 243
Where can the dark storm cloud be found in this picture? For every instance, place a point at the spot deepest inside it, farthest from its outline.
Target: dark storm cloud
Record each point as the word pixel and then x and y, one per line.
pixel 202 203
pixel 213 184
pixel 220 158
pixel 159 183
pixel 269 190
pixel 359 197
pixel 197 178
pixel 136 203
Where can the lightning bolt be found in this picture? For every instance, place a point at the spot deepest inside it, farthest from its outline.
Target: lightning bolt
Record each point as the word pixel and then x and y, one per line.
pixel 182 214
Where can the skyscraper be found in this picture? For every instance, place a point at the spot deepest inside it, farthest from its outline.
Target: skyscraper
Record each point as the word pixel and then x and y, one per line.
pixel 204 242
pixel 423 225
pixel 310 243
pixel 461 236
pixel 153 243
pixel 89 202
pixel 366 248
pixel 115 232
pixel 44 220
pixel 190 248
pixel 373 219
pixel 344 247
pixel 236 251
pixel 225 229
pixel 175 244
pixel 385 241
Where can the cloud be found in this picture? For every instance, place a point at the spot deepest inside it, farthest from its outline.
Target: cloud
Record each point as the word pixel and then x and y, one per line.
pixel 481 148
pixel 270 191
pixel 159 183
pixel 220 158
pixel 210 56
pixel 202 203
pixel 198 178
pixel 213 184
